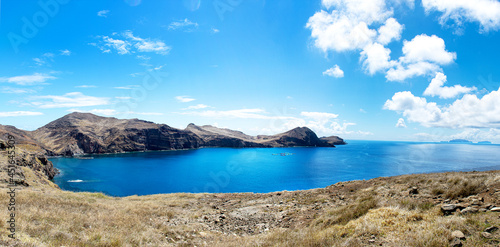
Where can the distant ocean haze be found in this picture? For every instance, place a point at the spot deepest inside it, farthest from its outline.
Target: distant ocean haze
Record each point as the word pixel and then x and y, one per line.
pixel 265 169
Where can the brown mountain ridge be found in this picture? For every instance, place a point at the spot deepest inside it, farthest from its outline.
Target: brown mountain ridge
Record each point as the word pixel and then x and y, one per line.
pixel 86 133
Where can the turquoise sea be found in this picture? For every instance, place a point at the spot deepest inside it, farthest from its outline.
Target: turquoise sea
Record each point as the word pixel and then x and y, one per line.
pixel 265 169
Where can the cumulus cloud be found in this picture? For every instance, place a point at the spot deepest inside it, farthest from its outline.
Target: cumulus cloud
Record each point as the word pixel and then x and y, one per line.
pixel 436 88
pixel 376 58
pixel 423 55
pixel 74 99
pixel 346 27
pixel 467 112
pixel 352 26
pixel 424 48
pixel 334 71
pixel 27 80
pixel 485 12
pixel 391 30
pixel 403 72
pixel 401 123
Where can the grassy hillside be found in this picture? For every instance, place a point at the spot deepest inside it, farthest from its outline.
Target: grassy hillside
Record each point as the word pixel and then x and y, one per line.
pixel 395 211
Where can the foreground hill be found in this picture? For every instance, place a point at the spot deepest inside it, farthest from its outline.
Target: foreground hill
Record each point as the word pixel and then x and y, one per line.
pixel 86 133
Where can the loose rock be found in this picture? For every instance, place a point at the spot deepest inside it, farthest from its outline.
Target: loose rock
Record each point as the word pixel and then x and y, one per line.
pixel 495 209
pixel 458 234
pixel 491 229
pixel 486 234
pixel 448 209
pixel 456 243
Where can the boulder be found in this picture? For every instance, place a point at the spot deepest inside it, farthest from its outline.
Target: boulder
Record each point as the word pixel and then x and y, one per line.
pixel 469 210
pixel 495 209
pixel 448 209
pixel 458 234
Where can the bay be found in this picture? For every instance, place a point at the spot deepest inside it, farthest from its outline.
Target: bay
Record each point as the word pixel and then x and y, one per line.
pixel 265 169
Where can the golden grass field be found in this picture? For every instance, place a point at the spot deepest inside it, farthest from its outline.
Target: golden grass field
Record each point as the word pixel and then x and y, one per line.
pixel 376 212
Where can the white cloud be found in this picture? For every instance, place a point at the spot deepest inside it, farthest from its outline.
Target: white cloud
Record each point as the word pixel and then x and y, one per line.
pixel 322 123
pixel 421 56
pixel 338 32
pixel 148 45
pixel 113 112
pixel 319 115
pixel 486 12
pixel 17 90
pixel 196 107
pixel 185 25
pixel 121 46
pixel 477 135
pixel 39 61
pixel 401 123
pixel 424 48
pixel 86 86
pixel 184 99
pixel 401 73
pixel 240 113
pixel 376 58
pixel 334 71
pixel 215 30
pixel 26 80
pixel 352 26
pixel 131 44
pixel 19 113
pixel 467 112
pixel 128 87
pixel 44 59
pixel 103 13
pixel 65 52
pixel 142 57
pixel 436 88
pixel 74 99
pixel 391 30
pixel 346 27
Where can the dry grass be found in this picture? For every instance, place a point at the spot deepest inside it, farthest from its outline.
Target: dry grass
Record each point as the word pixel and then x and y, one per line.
pixel 358 213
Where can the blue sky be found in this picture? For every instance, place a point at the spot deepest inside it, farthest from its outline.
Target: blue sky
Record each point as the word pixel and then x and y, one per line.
pixel 382 70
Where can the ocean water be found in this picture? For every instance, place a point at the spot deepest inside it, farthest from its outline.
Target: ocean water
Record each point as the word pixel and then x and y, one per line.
pixel 264 169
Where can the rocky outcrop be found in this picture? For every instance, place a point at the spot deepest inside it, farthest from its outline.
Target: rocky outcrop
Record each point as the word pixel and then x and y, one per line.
pixel 334 140
pixel 300 136
pixel 80 133
pixel 218 137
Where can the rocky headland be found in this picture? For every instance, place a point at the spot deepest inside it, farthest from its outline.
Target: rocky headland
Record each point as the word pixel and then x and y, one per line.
pixel 86 133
